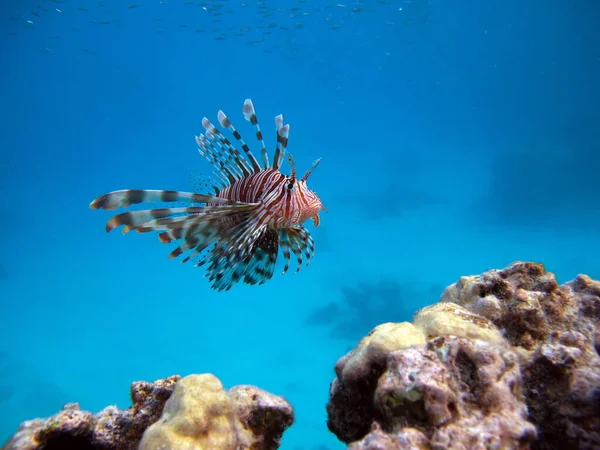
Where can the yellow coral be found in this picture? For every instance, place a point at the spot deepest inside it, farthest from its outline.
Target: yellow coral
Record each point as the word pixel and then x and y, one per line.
pixel 450 319
pixel 199 415
pixel 384 339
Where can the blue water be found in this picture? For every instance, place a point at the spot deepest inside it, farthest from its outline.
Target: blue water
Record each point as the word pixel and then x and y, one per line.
pixel 456 137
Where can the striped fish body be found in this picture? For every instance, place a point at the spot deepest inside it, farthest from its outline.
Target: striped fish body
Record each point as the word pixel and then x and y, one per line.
pixel 283 206
pixel 237 231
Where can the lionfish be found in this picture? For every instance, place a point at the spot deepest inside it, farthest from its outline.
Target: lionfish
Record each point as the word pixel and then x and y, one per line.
pixel 253 211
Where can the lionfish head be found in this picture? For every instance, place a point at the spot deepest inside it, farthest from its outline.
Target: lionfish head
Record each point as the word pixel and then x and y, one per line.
pixel 309 205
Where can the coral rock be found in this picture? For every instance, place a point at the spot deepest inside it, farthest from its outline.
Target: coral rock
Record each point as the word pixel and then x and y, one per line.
pixel 359 371
pixel 261 417
pixel 202 415
pixel 452 393
pixel 407 439
pixel 198 415
pixel 445 319
pixel 110 429
pixel 511 361
pixel 554 329
pixel 243 418
pixel 373 348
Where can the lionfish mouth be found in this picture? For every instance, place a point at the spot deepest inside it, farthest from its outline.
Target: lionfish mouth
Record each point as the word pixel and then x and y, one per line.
pixel 227 232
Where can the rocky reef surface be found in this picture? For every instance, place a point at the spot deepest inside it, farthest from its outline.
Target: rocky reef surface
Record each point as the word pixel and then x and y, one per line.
pixel 506 360
pixel 193 412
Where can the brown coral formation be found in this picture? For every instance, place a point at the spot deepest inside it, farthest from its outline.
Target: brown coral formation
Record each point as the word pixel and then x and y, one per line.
pixel 555 331
pixel 506 360
pixel 110 429
pixel 194 412
pixel 510 361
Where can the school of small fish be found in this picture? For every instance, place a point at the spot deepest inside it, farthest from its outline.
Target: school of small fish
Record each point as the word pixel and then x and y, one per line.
pixel 274 26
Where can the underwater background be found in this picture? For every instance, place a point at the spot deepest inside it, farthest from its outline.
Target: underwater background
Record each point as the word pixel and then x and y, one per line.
pixel 456 135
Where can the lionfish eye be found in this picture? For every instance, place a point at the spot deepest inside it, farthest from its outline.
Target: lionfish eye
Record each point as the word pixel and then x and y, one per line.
pixel 290 185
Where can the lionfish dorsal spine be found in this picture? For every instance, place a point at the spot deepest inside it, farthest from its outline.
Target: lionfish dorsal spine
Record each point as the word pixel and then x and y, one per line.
pixel 235 158
pixel 250 115
pixel 311 170
pixel 222 162
pixel 211 154
pixel 226 123
pixel 292 167
pixel 283 132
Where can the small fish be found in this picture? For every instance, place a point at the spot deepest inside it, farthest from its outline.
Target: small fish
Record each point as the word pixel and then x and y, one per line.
pixel 253 212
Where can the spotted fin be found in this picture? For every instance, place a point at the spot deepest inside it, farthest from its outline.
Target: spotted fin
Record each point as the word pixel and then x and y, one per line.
pixel 262 265
pixel 232 243
pixel 255 267
pixel 296 240
pixel 232 227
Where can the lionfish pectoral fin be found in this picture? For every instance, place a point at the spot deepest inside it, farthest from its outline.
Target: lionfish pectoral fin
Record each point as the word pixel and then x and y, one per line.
pixel 149 219
pixel 298 240
pixel 247 250
pixel 198 227
pixel 128 197
pixel 206 226
pixel 259 264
